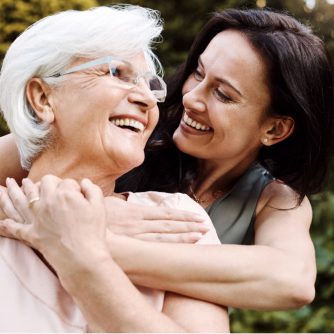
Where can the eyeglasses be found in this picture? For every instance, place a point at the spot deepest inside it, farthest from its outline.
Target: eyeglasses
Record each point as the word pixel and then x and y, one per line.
pixel 124 72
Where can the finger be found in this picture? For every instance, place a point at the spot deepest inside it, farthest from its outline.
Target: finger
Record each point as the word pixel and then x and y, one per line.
pixel 92 192
pixel 17 197
pixel 11 229
pixel 158 213
pixel 171 226
pixel 48 185
pixel 8 208
pixel 190 238
pixel 30 189
pixel 69 184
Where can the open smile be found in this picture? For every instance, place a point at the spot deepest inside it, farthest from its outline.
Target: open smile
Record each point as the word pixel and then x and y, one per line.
pixel 194 124
pixel 129 124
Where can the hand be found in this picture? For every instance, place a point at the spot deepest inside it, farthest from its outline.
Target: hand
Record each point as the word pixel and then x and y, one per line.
pixel 154 223
pixel 67 224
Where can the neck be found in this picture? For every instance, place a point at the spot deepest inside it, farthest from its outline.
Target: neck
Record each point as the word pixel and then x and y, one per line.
pixel 218 177
pixel 70 167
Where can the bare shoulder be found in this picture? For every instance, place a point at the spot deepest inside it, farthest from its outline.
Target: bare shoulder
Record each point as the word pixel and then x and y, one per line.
pixel 11 165
pixel 279 199
pixel 279 195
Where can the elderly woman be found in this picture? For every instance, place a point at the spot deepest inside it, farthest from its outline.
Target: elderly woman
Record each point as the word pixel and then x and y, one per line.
pixel 79 91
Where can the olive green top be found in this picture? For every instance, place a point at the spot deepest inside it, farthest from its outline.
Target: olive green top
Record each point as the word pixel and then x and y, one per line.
pixel 233 215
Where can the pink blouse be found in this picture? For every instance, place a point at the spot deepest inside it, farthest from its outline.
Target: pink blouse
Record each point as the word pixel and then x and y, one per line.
pixel 31 297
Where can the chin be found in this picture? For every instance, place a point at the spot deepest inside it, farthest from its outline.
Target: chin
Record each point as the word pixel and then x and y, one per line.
pixel 136 160
pixel 181 144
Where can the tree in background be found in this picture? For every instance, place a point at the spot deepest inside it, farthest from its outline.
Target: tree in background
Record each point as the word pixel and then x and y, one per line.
pixel 183 19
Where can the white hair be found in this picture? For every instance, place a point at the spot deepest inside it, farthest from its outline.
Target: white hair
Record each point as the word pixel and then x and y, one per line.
pixel 48 47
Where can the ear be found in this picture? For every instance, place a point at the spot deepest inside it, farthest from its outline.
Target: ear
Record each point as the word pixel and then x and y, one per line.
pixel 38 93
pixel 276 129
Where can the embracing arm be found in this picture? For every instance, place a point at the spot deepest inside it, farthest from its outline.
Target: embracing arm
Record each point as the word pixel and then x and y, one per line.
pixel 58 225
pixel 278 272
pixel 111 303
pixel 10 166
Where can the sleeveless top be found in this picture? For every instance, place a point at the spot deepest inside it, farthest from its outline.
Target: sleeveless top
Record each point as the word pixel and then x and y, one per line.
pixel 233 215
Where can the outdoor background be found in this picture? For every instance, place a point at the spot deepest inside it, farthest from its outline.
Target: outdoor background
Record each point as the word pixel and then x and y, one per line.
pixel 183 19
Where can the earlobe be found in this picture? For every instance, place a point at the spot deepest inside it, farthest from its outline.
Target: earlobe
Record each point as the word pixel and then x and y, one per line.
pixel 38 98
pixel 278 129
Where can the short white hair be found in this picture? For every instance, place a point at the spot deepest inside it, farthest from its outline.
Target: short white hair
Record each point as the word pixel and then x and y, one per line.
pixel 51 44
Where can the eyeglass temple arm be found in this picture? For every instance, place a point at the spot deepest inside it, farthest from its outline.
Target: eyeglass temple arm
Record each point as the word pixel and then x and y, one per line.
pixel 95 62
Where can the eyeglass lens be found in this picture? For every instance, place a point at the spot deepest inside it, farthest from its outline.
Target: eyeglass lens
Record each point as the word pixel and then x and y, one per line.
pixel 125 72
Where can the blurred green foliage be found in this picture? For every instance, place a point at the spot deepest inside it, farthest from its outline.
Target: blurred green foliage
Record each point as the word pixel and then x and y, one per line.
pixel 183 19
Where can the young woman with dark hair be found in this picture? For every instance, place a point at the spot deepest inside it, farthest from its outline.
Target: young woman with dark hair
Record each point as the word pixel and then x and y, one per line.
pixel 245 131
pixel 301 88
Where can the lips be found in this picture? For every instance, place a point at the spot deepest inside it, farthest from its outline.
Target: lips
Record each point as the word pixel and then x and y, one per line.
pixel 195 124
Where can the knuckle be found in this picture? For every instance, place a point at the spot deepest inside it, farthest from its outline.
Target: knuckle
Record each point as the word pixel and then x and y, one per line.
pixel 69 184
pixel 184 237
pixel 190 227
pixel 167 226
pixel 47 178
pixel 168 214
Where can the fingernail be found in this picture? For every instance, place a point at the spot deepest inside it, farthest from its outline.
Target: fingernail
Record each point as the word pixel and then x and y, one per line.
pixel 204 228
pixel 8 180
pixel 195 236
pixel 199 217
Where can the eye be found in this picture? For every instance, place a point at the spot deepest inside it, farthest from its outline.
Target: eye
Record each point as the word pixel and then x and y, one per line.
pixel 221 96
pixel 121 71
pixel 198 75
pixel 117 72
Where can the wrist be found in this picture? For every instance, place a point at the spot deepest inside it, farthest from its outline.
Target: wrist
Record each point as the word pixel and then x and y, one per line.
pixel 76 269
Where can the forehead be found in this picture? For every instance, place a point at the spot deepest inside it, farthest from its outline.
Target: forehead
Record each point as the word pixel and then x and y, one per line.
pixel 230 54
pixel 138 61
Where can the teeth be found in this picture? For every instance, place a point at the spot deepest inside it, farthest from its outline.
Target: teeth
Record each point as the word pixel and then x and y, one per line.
pixel 128 122
pixel 194 124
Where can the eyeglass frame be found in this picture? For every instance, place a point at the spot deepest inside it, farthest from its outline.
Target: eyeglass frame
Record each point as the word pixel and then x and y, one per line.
pixel 160 95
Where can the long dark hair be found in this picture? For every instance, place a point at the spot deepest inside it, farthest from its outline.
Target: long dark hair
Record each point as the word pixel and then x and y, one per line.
pixel 301 87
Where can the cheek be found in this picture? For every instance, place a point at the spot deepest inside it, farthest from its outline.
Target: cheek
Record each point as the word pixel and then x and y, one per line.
pixel 155 118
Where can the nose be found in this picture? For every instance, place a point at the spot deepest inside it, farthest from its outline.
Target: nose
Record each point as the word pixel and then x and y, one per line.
pixel 194 96
pixel 142 95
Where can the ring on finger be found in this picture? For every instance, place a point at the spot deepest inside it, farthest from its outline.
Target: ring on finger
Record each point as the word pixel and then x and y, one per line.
pixel 33 200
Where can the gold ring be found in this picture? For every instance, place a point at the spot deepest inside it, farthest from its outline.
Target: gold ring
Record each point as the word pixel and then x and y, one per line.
pixel 33 200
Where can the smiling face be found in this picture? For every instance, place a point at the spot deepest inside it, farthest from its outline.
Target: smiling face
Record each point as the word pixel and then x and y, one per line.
pixel 225 101
pixel 101 121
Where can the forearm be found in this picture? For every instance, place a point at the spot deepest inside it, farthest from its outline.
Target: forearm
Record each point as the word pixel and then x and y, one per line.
pixel 256 277
pixel 110 302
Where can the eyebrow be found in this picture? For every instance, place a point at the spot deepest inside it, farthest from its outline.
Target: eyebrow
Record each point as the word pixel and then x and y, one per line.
pixel 223 81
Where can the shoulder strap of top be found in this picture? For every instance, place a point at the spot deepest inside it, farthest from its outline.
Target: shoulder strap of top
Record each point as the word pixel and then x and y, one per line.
pixel 234 214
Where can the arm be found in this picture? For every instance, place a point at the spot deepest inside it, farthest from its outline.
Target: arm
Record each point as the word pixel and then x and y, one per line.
pixel 10 167
pixel 105 295
pixel 238 276
pixel 111 303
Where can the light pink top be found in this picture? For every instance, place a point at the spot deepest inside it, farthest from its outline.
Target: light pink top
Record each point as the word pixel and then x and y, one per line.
pixel 31 297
